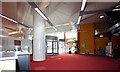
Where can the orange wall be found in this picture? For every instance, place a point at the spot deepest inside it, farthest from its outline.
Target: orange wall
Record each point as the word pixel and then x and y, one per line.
pixel 86 38
pixel 101 42
pixel 115 40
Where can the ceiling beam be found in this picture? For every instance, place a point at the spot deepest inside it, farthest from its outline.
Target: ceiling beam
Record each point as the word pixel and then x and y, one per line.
pixel 95 11
pixel 35 6
pixel 10 28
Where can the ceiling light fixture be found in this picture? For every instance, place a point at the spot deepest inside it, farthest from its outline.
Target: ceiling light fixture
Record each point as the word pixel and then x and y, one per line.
pixel 12 33
pixel 115 9
pixel 73 30
pixel 38 10
pixel 3 36
pixel 83 5
pixel 79 18
pixel 117 25
pixel 117 6
pixel 101 35
pixel 8 18
pixel 101 16
pixel 54 28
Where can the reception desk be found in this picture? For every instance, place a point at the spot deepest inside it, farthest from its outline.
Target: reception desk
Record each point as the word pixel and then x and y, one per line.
pixel 8 61
pixel 14 61
pixel 23 61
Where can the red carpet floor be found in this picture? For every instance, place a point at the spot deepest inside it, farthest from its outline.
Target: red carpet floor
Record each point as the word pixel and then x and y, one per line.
pixel 75 62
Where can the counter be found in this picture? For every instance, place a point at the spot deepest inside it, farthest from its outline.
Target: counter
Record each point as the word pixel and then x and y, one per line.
pixel 12 55
pixel 8 56
pixel 22 53
pixel 8 61
pixel 23 61
pixel 13 60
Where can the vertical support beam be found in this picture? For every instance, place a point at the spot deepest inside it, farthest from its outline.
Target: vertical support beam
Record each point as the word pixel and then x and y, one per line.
pixel 110 37
pixel 78 38
pixel 39 48
pixel 94 44
pixel 0 27
pixel 65 40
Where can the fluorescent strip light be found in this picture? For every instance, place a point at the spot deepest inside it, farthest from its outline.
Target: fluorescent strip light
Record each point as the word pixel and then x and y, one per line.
pixel 1 29
pixel 12 33
pixel 79 19
pixel 36 9
pixel 115 9
pixel 8 18
pixel 74 30
pixel 83 4
pixel 117 6
pixel 54 28
pixel 3 36
pixel 58 25
pixel 48 27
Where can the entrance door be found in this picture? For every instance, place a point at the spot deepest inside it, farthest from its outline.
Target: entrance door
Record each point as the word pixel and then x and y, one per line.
pixel 55 47
pixel 49 46
pixel 52 45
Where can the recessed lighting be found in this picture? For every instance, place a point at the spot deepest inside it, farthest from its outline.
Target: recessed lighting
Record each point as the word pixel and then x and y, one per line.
pixel 96 32
pixel 101 16
pixel 101 35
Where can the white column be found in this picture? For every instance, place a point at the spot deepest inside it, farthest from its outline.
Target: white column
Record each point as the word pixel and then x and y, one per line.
pixel 0 27
pixel 39 50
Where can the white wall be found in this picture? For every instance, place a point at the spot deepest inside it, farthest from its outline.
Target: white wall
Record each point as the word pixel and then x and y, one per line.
pixel 0 37
pixel 0 26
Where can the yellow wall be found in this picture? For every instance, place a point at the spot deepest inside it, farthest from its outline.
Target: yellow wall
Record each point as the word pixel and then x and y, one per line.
pixel 87 38
pixel 101 42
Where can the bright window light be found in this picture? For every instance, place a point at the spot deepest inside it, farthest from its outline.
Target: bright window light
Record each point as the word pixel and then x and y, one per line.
pixel 79 19
pixel 8 18
pixel 12 33
pixel 54 28
pixel 83 4
pixel 36 9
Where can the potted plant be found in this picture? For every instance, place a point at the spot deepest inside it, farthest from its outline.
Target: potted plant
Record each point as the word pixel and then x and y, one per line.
pixel 76 47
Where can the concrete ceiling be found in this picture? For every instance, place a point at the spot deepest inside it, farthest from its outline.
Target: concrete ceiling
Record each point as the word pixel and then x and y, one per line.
pixel 62 14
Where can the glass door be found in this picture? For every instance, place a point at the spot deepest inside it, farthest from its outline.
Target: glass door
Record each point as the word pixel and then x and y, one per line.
pixel 49 46
pixel 55 47
pixel 52 47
